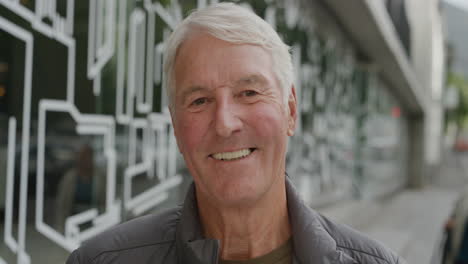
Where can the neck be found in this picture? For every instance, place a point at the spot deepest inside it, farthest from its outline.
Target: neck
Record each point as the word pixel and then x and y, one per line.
pixel 248 231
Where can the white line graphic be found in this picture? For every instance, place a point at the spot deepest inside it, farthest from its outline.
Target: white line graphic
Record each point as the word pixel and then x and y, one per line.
pixel 28 39
pixel 159 150
pixel 146 106
pixel 139 70
pixel 19 9
pixel 136 45
pixel 8 237
pixel 101 46
pixel 120 116
pixel 87 124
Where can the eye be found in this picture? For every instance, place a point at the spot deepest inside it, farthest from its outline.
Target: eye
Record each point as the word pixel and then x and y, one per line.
pixel 249 93
pixel 199 101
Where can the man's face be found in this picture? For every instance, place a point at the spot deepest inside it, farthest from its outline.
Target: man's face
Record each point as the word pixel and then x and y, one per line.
pixel 229 118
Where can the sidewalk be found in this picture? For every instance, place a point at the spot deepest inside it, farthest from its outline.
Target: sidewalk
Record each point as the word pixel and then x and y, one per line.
pixel 411 221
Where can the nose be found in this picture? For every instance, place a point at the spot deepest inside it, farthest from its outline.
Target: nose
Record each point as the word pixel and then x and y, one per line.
pixel 227 120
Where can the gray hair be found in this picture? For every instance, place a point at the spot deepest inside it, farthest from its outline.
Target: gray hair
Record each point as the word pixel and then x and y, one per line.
pixel 234 24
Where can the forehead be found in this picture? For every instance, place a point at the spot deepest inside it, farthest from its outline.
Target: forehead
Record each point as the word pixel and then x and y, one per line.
pixel 204 60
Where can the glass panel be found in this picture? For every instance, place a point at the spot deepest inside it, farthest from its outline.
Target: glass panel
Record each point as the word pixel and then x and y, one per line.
pixel 85 134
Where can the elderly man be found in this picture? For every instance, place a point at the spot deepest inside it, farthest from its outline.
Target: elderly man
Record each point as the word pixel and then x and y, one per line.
pixel 233 106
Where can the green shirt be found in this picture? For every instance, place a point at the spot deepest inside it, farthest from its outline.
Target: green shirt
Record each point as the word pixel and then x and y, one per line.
pixel 280 255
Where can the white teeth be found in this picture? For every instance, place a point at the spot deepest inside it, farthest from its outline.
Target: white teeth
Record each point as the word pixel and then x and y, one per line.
pixel 232 155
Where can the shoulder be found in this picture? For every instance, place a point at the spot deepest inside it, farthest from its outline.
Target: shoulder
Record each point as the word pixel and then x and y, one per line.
pixel 358 246
pixel 143 235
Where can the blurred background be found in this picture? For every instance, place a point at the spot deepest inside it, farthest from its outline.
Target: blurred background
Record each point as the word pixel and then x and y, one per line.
pixel 86 140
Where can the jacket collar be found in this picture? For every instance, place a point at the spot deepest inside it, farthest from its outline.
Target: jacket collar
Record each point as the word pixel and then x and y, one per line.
pixel 311 242
pixel 191 245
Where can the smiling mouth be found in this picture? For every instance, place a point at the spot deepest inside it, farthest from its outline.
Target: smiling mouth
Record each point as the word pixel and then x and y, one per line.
pixel 234 155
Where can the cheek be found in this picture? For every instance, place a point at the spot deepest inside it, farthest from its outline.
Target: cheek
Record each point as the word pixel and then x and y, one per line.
pixel 190 132
pixel 269 122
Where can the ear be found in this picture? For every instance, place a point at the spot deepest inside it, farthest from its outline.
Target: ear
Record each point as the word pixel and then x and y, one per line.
pixel 292 115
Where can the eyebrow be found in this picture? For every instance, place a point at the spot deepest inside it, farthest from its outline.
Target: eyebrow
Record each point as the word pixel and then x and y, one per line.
pixel 191 90
pixel 254 78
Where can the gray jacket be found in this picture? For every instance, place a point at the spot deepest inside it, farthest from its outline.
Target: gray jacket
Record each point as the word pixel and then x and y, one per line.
pixel 175 236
